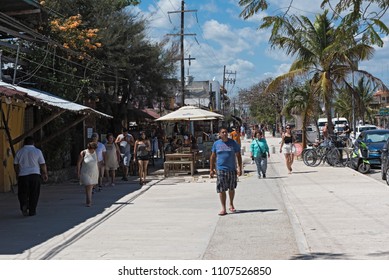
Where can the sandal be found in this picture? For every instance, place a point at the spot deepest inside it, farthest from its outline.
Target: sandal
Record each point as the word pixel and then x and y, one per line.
pixel 232 209
pixel 222 213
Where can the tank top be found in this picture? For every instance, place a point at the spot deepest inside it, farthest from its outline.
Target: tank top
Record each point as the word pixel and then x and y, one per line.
pixel 288 139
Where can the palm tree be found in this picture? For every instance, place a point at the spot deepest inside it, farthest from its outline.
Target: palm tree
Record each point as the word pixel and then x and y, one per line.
pixel 323 51
pixel 363 96
pixel 304 102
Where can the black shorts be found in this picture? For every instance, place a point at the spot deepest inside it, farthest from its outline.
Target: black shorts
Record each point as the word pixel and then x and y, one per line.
pixel 143 157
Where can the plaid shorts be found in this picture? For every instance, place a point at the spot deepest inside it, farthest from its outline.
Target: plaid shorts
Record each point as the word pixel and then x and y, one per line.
pixel 226 180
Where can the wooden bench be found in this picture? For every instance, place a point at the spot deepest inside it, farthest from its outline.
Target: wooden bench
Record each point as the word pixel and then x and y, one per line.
pixel 168 164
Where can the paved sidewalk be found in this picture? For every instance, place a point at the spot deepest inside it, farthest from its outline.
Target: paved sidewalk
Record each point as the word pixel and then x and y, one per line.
pixel 314 213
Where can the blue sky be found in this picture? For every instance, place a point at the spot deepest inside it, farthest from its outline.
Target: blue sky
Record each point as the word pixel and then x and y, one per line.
pixel 223 38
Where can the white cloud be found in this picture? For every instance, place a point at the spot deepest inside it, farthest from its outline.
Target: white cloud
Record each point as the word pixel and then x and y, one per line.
pixel 209 7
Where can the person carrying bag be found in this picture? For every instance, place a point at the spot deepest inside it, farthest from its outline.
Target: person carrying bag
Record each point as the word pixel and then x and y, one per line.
pixel 260 152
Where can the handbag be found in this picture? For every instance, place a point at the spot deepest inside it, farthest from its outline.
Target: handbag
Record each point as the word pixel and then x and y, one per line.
pixel 263 155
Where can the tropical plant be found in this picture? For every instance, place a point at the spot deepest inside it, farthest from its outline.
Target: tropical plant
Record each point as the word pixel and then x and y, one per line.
pixel 362 93
pixel 304 102
pixel 323 51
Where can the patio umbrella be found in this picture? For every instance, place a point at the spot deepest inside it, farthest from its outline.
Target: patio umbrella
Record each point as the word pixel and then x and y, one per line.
pixel 190 113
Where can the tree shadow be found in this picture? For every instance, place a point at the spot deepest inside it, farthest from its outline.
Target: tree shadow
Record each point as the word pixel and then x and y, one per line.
pixel 61 207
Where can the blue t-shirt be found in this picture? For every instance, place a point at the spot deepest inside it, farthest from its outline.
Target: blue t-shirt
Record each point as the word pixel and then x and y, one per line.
pixel 225 154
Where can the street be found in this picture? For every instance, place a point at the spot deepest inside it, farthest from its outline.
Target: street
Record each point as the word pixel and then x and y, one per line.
pixel 314 213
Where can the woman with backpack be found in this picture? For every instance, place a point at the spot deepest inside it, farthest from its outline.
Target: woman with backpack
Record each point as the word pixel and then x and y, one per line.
pixel 260 152
pixel 142 150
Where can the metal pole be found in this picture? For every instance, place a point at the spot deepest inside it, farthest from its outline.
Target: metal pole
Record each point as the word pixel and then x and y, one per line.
pixel 353 107
pixel 182 55
pixel 16 64
pixel 1 66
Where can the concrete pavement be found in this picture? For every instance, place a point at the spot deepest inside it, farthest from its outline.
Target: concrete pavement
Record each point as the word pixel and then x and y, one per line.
pixel 314 213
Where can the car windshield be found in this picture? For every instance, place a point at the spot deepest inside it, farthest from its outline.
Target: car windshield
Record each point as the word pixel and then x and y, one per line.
pixel 367 128
pixel 377 137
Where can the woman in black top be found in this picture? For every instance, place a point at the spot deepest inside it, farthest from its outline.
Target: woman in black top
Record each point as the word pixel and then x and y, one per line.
pixel 286 147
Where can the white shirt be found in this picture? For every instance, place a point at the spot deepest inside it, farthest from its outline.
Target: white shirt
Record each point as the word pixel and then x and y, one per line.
pixel 125 144
pixel 29 158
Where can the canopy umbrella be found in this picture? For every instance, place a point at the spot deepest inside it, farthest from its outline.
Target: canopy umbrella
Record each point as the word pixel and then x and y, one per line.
pixel 190 113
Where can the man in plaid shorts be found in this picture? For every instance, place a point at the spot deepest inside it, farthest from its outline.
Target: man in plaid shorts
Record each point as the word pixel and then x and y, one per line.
pixel 223 162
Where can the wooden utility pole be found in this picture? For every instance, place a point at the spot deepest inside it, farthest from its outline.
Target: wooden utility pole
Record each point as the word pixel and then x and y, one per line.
pixel 182 34
pixel 227 80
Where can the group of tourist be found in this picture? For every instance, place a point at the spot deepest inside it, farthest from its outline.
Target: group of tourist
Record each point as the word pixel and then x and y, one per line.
pixel 104 159
pixel 99 159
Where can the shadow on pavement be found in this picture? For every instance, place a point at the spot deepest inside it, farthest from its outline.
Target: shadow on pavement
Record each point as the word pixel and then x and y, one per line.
pixel 61 207
pixel 319 256
pixel 241 211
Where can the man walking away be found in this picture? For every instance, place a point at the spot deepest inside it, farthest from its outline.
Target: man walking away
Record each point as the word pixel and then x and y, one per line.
pixel 30 168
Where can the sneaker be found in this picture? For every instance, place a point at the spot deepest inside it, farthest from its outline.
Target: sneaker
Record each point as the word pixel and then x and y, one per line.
pixel 264 175
pixel 259 176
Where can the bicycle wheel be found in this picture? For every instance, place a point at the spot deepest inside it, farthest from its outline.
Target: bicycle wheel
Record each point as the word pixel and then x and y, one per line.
pixel 310 157
pixel 345 159
pixel 333 156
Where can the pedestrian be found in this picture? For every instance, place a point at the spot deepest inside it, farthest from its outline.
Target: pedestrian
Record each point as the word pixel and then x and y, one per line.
pixel 242 131
pixel 287 148
pixel 126 144
pixel 260 152
pixel 88 170
pixel 101 157
pixel 112 159
pixel 142 155
pixel 30 168
pixel 235 135
pixel 226 163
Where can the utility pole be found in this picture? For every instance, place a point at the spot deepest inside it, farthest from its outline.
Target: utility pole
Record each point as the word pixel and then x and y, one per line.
pixel 1 66
pixel 182 34
pixel 227 80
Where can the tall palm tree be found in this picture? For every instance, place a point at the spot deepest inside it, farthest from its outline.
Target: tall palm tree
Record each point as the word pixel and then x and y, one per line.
pixel 322 51
pixel 302 101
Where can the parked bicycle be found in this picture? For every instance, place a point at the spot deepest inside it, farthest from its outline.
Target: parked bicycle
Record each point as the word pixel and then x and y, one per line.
pixel 333 151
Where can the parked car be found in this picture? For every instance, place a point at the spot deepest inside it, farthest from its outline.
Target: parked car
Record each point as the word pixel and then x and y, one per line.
pixel 375 141
pixel 361 128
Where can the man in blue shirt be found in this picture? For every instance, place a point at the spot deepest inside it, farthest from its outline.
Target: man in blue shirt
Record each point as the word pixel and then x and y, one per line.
pixel 226 163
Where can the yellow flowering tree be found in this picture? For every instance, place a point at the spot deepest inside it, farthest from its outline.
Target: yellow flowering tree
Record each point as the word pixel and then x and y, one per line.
pixel 71 32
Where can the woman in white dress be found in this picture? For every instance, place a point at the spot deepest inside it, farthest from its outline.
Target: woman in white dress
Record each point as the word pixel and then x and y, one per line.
pixel 88 170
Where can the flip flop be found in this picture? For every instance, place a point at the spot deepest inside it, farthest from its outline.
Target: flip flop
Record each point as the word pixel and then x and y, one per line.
pixel 222 213
pixel 233 210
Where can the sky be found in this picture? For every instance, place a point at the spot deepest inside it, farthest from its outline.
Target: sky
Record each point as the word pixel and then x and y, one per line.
pixel 225 39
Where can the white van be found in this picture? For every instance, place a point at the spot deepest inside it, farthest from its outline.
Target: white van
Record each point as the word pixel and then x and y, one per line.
pixel 320 123
pixel 339 121
pixel 339 124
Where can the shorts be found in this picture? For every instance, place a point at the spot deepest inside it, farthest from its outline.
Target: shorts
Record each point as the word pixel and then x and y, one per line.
pixel 288 148
pixel 143 157
pixel 226 180
pixel 127 158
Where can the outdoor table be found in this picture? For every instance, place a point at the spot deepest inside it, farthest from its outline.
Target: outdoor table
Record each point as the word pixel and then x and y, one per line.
pixel 180 158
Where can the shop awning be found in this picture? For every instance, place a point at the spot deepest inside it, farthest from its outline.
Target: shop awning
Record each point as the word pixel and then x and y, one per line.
pixel 41 98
